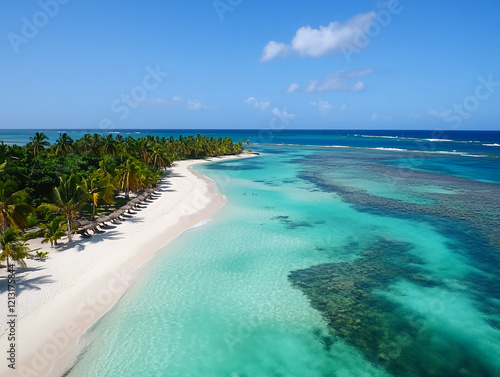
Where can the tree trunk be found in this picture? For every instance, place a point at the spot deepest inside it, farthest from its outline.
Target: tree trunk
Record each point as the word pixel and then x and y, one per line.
pixel 69 229
pixel 4 222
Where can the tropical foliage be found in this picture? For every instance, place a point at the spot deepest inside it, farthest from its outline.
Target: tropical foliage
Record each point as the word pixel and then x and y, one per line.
pixel 13 247
pixel 72 179
pixel 53 230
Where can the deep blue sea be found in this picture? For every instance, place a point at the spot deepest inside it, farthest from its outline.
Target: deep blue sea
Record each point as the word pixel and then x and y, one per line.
pixel 352 254
pixel 470 142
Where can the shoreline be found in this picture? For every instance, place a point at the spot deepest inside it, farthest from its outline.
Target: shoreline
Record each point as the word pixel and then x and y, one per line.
pixel 85 279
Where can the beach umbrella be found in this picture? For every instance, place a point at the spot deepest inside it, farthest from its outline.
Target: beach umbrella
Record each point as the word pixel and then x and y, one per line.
pixel 116 214
pixel 91 225
pixel 127 207
pixel 135 201
pixel 102 219
pixel 81 222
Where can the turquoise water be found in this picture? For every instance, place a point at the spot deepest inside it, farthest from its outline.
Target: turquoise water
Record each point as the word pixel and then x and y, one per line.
pixel 346 262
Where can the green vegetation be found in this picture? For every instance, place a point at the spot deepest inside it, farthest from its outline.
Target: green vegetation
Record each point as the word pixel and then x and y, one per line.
pixel 40 255
pixel 13 247
pixel 53 231
pixel 44 187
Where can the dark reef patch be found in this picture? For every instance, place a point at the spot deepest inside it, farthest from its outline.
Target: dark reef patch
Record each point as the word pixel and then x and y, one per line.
pixel 348 296
pixel 290 224
pixel 468 213
pixel 465 201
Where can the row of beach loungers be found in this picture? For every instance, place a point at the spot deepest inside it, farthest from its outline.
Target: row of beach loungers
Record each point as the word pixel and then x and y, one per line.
pixel 100 224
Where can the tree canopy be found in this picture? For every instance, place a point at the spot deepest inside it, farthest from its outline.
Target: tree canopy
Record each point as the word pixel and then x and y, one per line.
pixel 78 178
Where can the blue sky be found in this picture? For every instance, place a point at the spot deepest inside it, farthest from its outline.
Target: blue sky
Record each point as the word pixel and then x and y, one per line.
pixel 250 64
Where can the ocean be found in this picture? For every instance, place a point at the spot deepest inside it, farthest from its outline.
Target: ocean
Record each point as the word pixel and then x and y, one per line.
pixel 338 253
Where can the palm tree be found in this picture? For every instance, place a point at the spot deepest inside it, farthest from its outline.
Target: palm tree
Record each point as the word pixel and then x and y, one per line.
pixel 146 177
pixel 99 187
pixel 38 143
pixel 129 176
pixel 14 208
pixel 159 157
pixel 108 190
pixel 109 145
pixel 129 145
pixel 85 144
pixel 182 150
pixel 53 231
pixel 70 198
pixel 107 167
pixel 13 247
pixel 198 145
pixel 64 144
pixel 92 189
pixel 144 150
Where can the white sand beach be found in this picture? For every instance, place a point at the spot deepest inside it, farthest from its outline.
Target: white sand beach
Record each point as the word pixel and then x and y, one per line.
pixel 59 298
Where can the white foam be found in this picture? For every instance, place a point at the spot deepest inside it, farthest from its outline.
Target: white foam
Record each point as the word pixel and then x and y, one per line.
pixel 384 137
pixel 391 149
pixel 201 223
pixel 438 140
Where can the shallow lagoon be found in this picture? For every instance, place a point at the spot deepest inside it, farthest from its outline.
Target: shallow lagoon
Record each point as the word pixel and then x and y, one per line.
pixel 344 263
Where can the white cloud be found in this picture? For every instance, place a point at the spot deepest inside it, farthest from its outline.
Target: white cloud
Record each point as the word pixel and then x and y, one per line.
pixel 439 114
pixel 196 105
pixel 336 37
pixel 378 118
pixel 274 49
pixel 292 88
pixel 323 106
pixel 191 104
pixel 282 114
pixel 360 85
pixel 358 72
pixel 414 116
pixel 261 105
pixel 174 101
pixel 312 86
pixel 338 81
pixel 344 107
